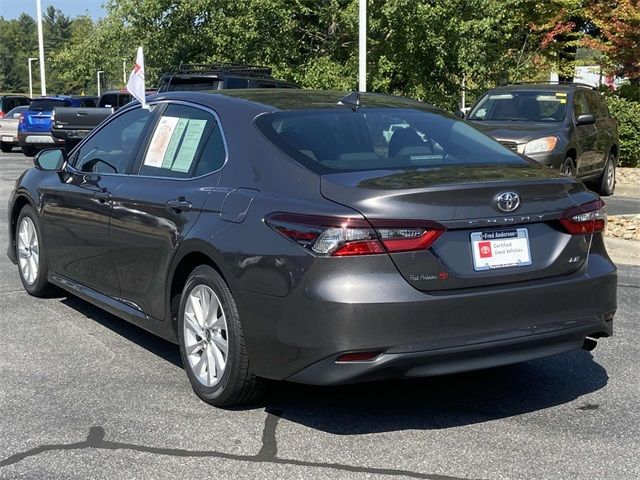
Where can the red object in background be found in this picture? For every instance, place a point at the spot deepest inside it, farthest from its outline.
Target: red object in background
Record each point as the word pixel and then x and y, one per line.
pixel 485 249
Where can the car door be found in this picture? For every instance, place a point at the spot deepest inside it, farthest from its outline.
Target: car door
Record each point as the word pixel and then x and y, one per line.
pixel 154 209
pixel 587 136
pixel 77 207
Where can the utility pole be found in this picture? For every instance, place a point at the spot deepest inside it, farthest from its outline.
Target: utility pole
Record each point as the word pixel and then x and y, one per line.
pixel 43 81
pixel 31 59
pixel 124 73
pixel 362 50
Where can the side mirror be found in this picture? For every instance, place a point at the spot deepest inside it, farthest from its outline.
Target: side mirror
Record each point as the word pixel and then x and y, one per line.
pixel 586 119
pixel 51 160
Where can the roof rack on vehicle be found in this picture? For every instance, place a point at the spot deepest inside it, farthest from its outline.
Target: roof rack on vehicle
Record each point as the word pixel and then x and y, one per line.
pixel 237 68
pixel 552 82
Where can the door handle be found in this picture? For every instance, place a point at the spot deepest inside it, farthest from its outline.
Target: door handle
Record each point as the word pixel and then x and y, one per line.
pixel 179 205
pixel 102 195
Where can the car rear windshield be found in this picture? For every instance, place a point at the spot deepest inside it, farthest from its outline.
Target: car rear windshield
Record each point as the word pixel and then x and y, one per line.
pixel 191 84
pixel 528 106
pixel 47 104
pixel 328 141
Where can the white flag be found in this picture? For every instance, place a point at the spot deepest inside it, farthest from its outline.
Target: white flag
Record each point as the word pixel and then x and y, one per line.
pixel 135 85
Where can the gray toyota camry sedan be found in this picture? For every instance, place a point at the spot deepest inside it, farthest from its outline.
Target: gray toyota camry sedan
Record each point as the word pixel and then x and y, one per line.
pixel 315 237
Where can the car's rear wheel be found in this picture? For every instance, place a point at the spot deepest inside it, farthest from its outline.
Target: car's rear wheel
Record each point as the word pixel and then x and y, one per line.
pixel 32 259
pixel 569 167
pixel 212 343
pixel 6 147
pixel 29 151
pixel 606 183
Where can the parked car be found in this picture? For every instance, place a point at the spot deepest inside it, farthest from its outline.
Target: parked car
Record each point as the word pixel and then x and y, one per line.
pixel 9 102
pixel 563 126
pixel 219 76
pixel 69 125
pixel 34 126
pixel 9 129
pixel 281 235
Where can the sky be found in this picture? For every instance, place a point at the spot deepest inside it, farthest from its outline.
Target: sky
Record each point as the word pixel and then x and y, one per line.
pixel 13 8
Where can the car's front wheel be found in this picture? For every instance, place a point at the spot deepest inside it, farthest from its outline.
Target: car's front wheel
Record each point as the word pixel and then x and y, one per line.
pixel 32 259
pixel 569 167
pixel 212 343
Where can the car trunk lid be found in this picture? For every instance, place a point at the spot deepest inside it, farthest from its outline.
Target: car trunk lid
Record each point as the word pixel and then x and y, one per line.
pixel 528 243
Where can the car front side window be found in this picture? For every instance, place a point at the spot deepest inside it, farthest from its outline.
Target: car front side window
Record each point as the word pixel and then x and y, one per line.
pixel 114 147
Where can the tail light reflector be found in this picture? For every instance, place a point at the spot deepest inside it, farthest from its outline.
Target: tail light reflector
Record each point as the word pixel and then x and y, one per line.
pixel 584 219
pixel 357 357
pixel 340 236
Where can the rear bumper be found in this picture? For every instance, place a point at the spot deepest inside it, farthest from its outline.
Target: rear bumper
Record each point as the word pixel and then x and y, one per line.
pixel 299 337
pixel 9 138
pixel 67 135
pixel 37 139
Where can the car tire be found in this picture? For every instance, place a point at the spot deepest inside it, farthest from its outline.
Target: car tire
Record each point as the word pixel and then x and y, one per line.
pixel 33 262
pixel 29 151
pixel 209 323
pixel 605 185
pixel 568 167
pixel 6 147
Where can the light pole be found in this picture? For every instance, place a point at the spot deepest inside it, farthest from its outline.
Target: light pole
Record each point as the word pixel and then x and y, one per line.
pixel 31 59
pixel 43 81
pixel 362 50
pixel 98 79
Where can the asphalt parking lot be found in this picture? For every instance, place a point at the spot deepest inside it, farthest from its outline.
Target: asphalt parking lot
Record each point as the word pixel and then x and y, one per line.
pixel 84 394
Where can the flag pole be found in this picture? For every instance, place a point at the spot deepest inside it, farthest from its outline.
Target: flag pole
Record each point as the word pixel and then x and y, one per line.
pixel 362 50
pixel 43 81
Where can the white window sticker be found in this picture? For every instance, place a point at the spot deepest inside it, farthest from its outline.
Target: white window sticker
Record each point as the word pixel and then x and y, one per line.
pixel 178 133
pixel 187 151
pixel 160 141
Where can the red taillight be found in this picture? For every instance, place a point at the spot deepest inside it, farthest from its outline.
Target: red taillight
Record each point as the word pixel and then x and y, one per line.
pixel 21 119
pixel 2 114
pixel 339 236
pixel 584 219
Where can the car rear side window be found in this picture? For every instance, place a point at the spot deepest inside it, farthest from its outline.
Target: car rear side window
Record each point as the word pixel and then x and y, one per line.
pixel 596 105
pixel 327 141
pixel 114 147
pixel 186 142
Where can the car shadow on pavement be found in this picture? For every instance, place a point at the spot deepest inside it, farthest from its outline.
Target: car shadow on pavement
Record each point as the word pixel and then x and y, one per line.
pixel 412 404
pixel 156 345
pixel 440 402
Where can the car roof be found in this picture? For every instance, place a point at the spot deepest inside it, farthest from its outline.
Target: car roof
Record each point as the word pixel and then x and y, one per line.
pixel 550 87
pixel 299 99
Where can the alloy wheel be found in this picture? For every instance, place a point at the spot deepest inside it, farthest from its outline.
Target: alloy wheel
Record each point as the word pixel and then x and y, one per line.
pixel 610 175
pixel 206 338
pixel 28 251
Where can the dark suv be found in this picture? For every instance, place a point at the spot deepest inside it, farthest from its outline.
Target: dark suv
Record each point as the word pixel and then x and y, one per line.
pixel 564 126
pixel 220 76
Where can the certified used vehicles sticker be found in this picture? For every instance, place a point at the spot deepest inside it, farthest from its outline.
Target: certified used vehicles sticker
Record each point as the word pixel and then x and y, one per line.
pixel 500 249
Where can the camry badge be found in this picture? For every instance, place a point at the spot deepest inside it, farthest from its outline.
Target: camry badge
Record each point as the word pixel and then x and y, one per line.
pixel 508 201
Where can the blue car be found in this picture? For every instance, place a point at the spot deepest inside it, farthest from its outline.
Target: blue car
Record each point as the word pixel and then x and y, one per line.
pixel 34 127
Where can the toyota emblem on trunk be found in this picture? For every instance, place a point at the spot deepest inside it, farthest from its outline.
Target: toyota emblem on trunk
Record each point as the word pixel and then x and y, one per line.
pixel 508 201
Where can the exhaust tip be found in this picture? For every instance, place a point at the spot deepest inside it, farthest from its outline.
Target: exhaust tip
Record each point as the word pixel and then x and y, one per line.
pixel 589 344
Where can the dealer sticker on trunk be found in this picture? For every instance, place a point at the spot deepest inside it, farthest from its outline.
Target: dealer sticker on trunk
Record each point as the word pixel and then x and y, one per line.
pixel 500 249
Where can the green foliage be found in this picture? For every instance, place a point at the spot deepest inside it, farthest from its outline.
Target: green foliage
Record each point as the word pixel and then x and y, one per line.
pixel 627 113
